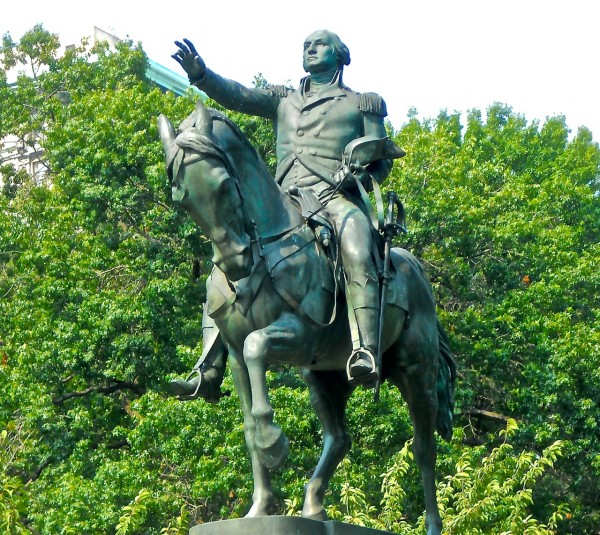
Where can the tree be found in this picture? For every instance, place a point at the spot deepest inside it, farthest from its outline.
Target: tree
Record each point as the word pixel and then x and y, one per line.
pixel 98 299
pixel 506 218
pixel 485 493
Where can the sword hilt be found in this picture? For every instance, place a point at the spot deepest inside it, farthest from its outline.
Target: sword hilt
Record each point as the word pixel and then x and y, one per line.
pixel 394 224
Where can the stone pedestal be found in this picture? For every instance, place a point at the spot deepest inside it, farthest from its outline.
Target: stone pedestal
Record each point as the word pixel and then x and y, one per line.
pixel 281 525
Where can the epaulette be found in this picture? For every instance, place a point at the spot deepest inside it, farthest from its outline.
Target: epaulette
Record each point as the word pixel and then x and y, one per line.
pixel 372 103
pixel 279 91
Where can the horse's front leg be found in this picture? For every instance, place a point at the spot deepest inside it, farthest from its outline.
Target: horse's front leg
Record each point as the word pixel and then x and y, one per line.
pixel 287 341
pixel 329 393
pixel 263 502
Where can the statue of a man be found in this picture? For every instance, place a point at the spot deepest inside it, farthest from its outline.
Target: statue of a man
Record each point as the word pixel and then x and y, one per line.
pixel 314 124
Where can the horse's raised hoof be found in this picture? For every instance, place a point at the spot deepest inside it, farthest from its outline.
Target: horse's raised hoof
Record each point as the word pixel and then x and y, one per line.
pixel 273 448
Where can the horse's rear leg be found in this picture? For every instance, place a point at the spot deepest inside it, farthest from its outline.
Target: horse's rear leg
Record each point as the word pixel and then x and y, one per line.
pixel 424 448
pixel 285 341
pixel 418 387
pixel 262 499
pixel 329 393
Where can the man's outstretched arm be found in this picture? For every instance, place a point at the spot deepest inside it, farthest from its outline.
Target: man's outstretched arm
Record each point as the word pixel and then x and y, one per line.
pixel 230 94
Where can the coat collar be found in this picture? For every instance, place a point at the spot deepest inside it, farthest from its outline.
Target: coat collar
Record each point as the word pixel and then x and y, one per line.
pixel 334 89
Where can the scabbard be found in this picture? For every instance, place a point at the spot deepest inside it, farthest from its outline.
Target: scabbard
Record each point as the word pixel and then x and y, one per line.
pixel 383 289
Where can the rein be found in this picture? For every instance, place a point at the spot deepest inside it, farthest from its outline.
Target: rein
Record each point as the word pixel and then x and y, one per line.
pixel 202 145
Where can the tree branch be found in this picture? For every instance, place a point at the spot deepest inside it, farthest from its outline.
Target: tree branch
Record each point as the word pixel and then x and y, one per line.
pixel 39 470
pixel 117 445
pixel 487 415
pixel 118 385
pixel 143 234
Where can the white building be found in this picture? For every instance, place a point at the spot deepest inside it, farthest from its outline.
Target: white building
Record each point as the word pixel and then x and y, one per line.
pixel 30 159
pixel 14 152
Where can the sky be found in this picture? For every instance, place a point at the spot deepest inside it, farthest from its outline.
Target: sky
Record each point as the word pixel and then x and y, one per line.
pixel 539 57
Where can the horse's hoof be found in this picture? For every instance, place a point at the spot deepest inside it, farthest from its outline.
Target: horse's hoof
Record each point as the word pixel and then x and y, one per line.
pixel 315 515
pixel 256 511
pixel 262 508
pixel 273 451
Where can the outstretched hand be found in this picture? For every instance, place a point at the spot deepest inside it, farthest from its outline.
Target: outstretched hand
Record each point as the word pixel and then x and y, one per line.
pixel 190 61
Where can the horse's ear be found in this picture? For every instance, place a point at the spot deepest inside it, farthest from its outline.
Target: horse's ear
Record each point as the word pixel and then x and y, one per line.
pixel 204 124
pixel 166 131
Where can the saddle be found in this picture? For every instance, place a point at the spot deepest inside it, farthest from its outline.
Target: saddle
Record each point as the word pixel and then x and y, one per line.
pixel 319 228
pixel 322 225
pixel 317 217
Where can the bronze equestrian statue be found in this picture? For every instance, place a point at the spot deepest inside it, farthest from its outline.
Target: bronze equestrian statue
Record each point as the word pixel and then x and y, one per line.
pixel 273 294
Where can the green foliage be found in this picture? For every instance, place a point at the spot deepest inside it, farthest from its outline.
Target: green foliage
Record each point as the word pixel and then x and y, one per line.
pixel 36 49
pixel 506 218
pixel 98 302
pixel 180 526
pixel 13 496
pixel 485 492
pixel 133 514
pixel 495 493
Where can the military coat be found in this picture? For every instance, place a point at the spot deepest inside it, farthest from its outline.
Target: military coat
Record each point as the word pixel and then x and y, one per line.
pixel 311 130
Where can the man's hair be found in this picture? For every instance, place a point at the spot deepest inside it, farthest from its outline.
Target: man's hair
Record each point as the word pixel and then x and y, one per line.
pixel 343 54
pixel 341 50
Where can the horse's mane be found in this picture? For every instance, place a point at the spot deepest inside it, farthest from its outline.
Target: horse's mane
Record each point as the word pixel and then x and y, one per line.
pixel 190 139
pixel 215 114
pixel 190 145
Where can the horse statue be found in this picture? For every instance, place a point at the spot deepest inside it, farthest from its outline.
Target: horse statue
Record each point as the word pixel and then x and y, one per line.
pixel 275 298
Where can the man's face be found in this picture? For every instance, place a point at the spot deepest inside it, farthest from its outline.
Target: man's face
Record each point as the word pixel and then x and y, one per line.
pixel 319 53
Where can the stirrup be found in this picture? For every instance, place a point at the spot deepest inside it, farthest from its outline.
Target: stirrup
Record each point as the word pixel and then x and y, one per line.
pixel 368 378
pixel 194 395
pixel 194 372
pixel 212 396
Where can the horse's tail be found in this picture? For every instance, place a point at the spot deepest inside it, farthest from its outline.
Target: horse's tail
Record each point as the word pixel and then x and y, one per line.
pixel 445 385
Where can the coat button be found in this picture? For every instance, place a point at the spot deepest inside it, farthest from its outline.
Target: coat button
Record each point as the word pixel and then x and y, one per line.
pixel 306 112
pixel 299 151
pixel 323 112
pixel 300 133
pixel 317 133
pixel 313 152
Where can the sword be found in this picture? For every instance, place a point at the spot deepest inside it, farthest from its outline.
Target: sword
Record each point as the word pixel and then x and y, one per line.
pixel 393 226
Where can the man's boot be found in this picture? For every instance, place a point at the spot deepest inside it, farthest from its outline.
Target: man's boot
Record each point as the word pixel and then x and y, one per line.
pixel 364 302
pixel 362 366
pixel 204 381
pixel 206 377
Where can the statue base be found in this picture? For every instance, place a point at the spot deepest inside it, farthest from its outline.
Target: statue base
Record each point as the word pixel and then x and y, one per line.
pixel 281 525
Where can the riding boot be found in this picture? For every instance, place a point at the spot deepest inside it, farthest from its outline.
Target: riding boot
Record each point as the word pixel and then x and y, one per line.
pixel 206 376
pixel 362 366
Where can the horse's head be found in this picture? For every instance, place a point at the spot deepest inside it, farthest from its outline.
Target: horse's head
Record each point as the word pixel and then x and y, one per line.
pixel 205 182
